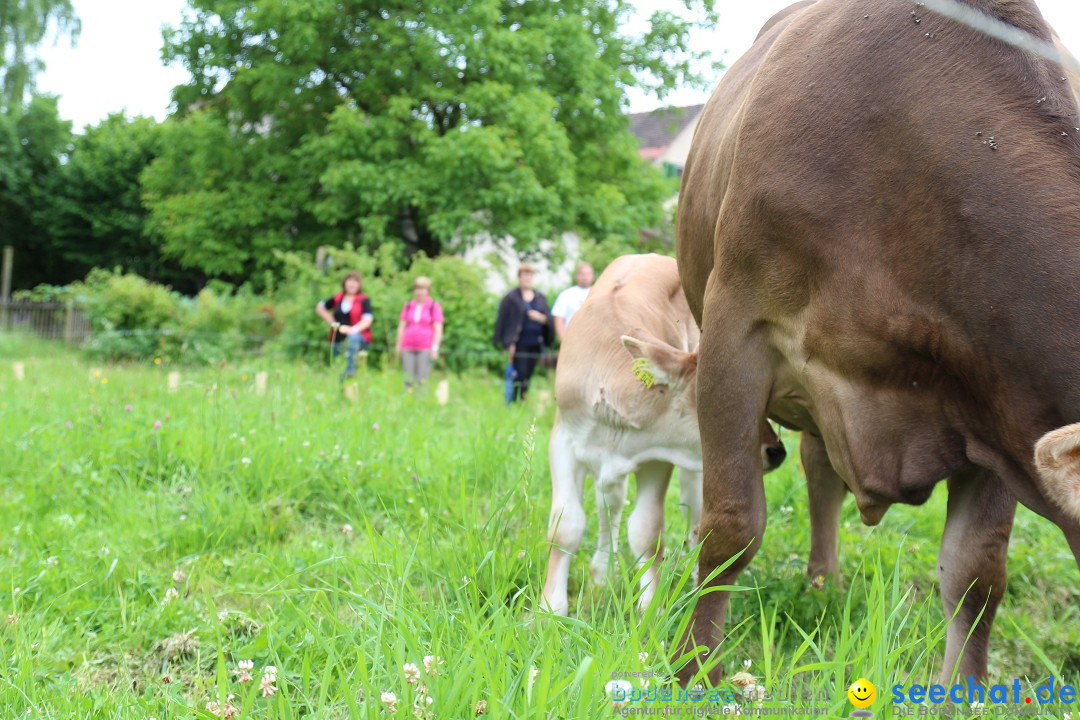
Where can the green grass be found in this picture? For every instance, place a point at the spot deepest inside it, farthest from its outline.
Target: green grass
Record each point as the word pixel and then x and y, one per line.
pixel 448 509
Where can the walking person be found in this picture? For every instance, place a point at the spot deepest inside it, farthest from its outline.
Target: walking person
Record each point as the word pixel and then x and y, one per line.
pixel 349 315
pixel 523 328
pixel 572 298
pixel 420 329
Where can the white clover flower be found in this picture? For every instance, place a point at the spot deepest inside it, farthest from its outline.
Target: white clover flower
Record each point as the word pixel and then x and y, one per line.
pixel 643 656
pixel 243 671
pixel 52 561
pixel 742 679
pixel 412 673
pixel 245 460
pixel 229 711
pixel 266 685
pixel 347 529
pixel 389 698
pixel 170 595
pixel 179 576
pixel 432 663
pixel 619 691
pixel 746 663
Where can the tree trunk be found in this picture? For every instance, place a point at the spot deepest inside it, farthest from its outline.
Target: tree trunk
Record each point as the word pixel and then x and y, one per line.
pixel 416 235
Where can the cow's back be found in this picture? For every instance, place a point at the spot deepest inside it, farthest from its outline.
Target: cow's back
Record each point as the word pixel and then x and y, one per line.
pixel 709 161
pixel 595 372
pixel 884 202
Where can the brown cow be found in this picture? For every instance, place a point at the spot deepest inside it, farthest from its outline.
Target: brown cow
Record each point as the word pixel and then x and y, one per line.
pixel 879 235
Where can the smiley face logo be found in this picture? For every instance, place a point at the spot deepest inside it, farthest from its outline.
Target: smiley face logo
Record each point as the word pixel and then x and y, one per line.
pixel 862 693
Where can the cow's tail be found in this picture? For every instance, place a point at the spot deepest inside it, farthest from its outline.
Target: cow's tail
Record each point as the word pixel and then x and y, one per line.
pixel 1057 458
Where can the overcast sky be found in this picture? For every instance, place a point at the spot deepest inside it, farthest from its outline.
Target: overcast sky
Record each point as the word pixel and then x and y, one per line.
pixel 116 63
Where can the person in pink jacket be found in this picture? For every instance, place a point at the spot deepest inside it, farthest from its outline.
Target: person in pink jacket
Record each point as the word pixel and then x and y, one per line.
pixel 420 330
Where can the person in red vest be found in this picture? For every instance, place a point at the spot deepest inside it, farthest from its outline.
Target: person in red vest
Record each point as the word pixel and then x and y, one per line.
pixel 349 315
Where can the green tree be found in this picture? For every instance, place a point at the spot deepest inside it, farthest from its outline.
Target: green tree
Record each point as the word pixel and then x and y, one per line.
pixel 99 218
pixel 335 121
pixel 33 142
pixel 24 24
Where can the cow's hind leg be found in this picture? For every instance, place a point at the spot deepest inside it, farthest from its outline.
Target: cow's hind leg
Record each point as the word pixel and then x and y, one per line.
pixel 610 500
pixel 646 525
pixel 567 520
pixel 733 385
pixel 972 567
pixel 826 491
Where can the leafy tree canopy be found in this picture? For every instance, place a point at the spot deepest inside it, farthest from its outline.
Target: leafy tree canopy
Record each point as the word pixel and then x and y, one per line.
pixel 99 219
pixel 33 142
pixel 24 24
pixel 333 121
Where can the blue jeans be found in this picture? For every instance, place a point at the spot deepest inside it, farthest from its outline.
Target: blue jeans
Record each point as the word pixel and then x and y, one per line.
pixel 356 343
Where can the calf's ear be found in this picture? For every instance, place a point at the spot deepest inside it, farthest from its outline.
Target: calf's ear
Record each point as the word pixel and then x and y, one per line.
pixel 1057 458
pixel 658 363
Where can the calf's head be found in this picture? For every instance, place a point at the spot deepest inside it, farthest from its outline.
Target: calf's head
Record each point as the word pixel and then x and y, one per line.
pixel 658 364
pixel 1057 458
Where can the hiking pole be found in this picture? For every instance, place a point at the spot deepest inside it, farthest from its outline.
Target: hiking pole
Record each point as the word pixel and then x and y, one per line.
pixel 333 339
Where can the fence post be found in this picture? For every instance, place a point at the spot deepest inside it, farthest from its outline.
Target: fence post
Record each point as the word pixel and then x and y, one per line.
pixel 5 286
pixel 69 322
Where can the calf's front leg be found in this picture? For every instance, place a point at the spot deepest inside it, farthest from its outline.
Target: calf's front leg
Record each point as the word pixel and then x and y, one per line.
pixel 566 524
pixel 646 525
pixel 610 488
pixel 690 498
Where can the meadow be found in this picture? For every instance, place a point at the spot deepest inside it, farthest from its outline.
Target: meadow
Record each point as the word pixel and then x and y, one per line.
pixel 160 550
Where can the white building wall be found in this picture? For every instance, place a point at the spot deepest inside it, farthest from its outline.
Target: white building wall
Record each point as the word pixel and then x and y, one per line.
pixel 501 264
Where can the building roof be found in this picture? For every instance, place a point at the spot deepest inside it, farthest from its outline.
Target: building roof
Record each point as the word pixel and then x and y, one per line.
pixel 657 129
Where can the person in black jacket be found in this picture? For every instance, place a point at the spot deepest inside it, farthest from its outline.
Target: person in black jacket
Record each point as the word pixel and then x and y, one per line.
pixel 523 328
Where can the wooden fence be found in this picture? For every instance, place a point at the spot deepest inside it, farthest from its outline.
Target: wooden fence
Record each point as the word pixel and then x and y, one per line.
pixel 49 320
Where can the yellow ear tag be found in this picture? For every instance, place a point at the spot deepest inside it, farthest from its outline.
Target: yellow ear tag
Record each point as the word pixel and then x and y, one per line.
pixel 641 369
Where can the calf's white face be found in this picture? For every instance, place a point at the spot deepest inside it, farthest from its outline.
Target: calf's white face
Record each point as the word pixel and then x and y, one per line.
pixel 1057 458
pixel 658 363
